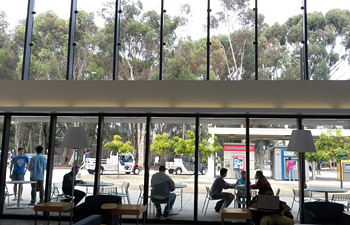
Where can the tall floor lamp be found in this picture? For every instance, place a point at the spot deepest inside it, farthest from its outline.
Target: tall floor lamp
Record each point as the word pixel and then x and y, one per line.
pixel 75 138
pixel 301 141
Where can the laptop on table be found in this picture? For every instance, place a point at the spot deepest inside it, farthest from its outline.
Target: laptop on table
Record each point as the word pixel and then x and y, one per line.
pixel 268 202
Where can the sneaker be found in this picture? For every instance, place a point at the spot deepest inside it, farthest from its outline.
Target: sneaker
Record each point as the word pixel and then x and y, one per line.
pixel 39 203
pixel 14 199
pixel 159 214
pixel 216 210
pixel 21 199
pixel 31 203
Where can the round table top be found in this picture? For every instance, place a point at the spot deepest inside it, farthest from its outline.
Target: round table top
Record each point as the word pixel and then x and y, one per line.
pixel 109 206
pixel 21 182
pixel 91 184
pixel 178 185
pixel 326 189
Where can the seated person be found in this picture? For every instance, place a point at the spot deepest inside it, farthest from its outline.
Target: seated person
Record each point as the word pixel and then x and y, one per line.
pixel 67 185
pixel 216 191
pixel 162 185
pixel 284 217
pixel 261 181
pixel 241 181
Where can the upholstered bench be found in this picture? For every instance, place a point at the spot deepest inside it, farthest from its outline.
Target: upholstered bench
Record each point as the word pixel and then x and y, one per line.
pixel 90 220
pixel 235 213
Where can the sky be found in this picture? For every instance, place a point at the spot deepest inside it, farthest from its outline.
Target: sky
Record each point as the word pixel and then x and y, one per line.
pixel 274 11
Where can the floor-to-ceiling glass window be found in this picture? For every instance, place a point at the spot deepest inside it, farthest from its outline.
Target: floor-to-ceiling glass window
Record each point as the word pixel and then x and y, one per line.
pixel 221 140
pixel 139 40
pixel 269 139
pixel 94 36
pixel 26 133
pixel 50 40
pixel 123 158
pixel 64 157
pixel 173 146
pixel 185 48
pixel 12 17
pixel 232 51
pixel 279 36
pixel 328 39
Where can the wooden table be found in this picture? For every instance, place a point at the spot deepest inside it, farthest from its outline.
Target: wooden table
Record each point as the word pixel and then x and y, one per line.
pixel 53 207
pixel 127 209
pixel 235 213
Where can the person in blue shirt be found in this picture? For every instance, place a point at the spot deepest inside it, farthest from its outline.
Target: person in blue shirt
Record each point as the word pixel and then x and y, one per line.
pixel 236 167
pixel 37 167
pixel 241 181
pixel 85 156
pixel 18 168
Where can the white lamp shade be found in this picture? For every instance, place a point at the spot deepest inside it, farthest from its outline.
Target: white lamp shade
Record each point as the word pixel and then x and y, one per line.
pixel 301 141
pixel 75 137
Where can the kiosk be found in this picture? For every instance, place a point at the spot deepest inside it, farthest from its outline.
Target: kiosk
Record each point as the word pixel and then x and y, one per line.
pixel 279 159
pixel 231 151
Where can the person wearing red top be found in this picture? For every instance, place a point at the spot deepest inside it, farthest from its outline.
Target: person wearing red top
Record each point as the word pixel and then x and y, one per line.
pixel 261 181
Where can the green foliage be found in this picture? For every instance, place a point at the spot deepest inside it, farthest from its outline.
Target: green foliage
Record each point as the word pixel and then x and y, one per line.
pixel 118 146
pixel 331 146
pixel 163 145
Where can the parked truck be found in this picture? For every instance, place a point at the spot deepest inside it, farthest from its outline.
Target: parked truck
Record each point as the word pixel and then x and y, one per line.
pixel 184 164
pixel 123 163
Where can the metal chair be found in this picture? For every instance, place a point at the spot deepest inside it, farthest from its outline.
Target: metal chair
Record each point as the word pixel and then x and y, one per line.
pixel 57 193
pixel 307 194
pixel 278 191
pixel 342 198
pixel 125 191
pixel 108 191
pixel 7 194
pixel 207 199
pixel 240 198
pixel 160 201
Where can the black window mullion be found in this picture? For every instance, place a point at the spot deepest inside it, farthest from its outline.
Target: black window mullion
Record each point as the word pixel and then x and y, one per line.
pixel 50 157
pixel 162 12
pixel 98 154
pixel 208 40
pixel 305 48
pixel 147 160
pixel 256 40
pixel 4 157
pixel 196 167
pixel 118 11
pixel 71 40
pixel 28 40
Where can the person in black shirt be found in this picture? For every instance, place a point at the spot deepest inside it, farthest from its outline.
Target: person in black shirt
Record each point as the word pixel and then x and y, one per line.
pixel 67 185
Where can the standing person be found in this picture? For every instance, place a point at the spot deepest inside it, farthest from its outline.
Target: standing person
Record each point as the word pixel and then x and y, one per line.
pixel 37 167
pixel 156 163
pixel 18 168
pixel 290 167
pixel 241 181
pixel 218 163
pixel 69 183
pixel 162 185
pixel 261 181
pixel 85 156
pixel 12 154
pixel 318 171
pixel 236 167
pixel 216 191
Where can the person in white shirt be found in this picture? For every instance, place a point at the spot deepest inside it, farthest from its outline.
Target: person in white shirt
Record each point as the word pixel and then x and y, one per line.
pixel 162 185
